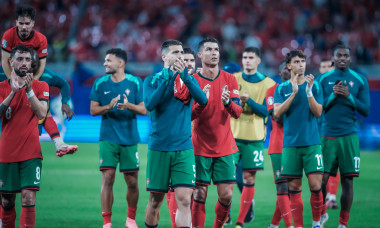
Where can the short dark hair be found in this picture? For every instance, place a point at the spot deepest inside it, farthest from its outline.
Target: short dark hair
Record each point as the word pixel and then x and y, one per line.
pixel 118 52
pixel 188 51
pixel 253 50
pixel 25 11
pixel 22 49
pixel 340 46
pixel 167 43
pixel 206 40
pixel 294 53
pixel 35 61
pixel 326 60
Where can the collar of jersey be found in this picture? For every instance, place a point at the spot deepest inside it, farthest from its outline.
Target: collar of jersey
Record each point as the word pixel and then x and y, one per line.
pixel 209 79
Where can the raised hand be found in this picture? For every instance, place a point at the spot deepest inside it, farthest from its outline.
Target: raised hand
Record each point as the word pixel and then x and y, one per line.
pixel 122 106
pixel 179 65
pixel 113 102
pixel 225 95
pixel 14 83
pixel 341 90
pixel 28 81
pixel 68 111
pixel 294 82
pixel 310 80
pixel 245 97
pixel 206 90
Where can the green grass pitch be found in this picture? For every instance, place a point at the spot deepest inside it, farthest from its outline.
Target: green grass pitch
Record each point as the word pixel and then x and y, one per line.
pixel 70 194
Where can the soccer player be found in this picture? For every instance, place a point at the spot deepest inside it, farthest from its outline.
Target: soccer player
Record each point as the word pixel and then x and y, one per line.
pixel 170 150
pixel 213 141
pixel 118 98
pixel 327 65
pixel 345 93
pixel 189 58
pixel 23 33
pixel 299 102
pixel 282 210
pixel 23 102
pixel 249 129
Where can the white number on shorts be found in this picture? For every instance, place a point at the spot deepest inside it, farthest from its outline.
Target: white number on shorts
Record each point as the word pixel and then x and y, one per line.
pixel 319 159
pixel 137 157
pixel 258 156
pixel 8 113
pixel 38 173
pixel 357 162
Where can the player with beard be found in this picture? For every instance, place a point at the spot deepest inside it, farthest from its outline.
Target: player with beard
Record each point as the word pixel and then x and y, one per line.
pixel 214 144
pixel 118 98
pixel 24 101
pixel 23 33
pixel 298 102
pixel 345 93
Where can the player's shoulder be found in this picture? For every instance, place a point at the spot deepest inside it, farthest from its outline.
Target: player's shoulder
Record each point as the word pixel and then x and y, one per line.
pixel 359 76
pixel 40 84
pixel 39 35
pixel 7 39
pixel 283 85
pixel 272 89
pixel 10 32
pixel 134 79
pixel 324 76
pixel 101 80
pixel 238 75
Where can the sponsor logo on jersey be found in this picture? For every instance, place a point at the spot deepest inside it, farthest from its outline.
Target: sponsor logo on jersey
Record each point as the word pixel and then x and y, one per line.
pixel 5 43
pixel 107 92
pixel 44 51
pixel 127 91
pixel 1 183
pixel 236 91
pixel 351 83
pixel 46 94
pixel 288 94
pixel 270 100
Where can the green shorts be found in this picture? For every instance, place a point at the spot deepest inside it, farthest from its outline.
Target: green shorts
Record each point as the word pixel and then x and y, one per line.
pixel 220 169
pixel 276 165
pixel 295 159
pixel 110 154
pixel 251 155
pixel 342 152
pixel 175 168
pixel 17 176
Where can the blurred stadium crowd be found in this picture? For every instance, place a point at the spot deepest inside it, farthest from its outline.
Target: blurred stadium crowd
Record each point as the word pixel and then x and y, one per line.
pixel 87 28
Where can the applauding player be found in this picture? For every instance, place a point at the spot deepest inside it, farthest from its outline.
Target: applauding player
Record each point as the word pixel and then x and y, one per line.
pixel 213 141
pixel 299 102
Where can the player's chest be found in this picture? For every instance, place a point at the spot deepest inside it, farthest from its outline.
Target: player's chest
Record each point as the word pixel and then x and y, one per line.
pixel 109 92
pixel 352 83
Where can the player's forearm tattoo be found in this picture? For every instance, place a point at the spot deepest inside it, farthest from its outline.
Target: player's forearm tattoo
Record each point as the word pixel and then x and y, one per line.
pixel 3 109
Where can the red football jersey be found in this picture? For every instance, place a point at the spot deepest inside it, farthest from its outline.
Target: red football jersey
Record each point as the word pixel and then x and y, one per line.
pixel 277 133
pixel 36 40
pixel 212 135
pixel 19 139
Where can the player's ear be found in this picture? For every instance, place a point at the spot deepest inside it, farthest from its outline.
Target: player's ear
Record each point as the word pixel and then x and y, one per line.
pixel 163 57
pixel 199 55
pixel 259 60
pixel 288 66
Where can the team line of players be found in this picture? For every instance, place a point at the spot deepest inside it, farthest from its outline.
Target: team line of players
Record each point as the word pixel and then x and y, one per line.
pixel 175 97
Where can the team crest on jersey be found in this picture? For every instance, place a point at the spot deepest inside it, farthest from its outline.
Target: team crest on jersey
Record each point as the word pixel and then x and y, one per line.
pixel 46 94
pixel 1 183
pixel 5 44
pixel 127 91
pixel 236 91
pixel 270 100
pixel 351 83
pixel 44 51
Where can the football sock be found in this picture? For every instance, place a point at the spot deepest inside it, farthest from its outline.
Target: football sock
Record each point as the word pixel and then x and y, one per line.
pixel 276 216
pixel 316 202
pixel 198 213
pixel 221 214
pixel 296 206
pixel 324 209
pixel 283 203
pixel 9 218
pixel 149 226
pixel 334 185
pixel 106 217
pixel 28 216
pixel 131 212
pixel 172 208
pixel 51 127
pixel 245 201
pixel 343 217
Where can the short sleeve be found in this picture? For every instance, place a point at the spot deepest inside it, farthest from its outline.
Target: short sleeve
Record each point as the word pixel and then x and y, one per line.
pixel 42 47
pixel 270 98
pixel 139 94
pixel 43 92
pixel 277 95
pixel 234 87
pixel 94 95
pixel 5 41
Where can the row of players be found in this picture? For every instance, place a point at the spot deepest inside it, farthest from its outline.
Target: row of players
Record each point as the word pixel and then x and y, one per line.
pixel 213 138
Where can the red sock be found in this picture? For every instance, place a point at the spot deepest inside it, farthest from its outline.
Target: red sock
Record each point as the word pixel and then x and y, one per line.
pixel 106 217
pixel 221 214
pixel 172 208
pixel 343 217
pixel 276 216
pixel 245 201
pixel 324 209
pixel 198 214
pixel 131 212
pixel 28 217
pixel 283 203
pixel 51 127
pixel 333 184
pixel 296 205
pixel 316 202
pixel 1 208
pixel 9 218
